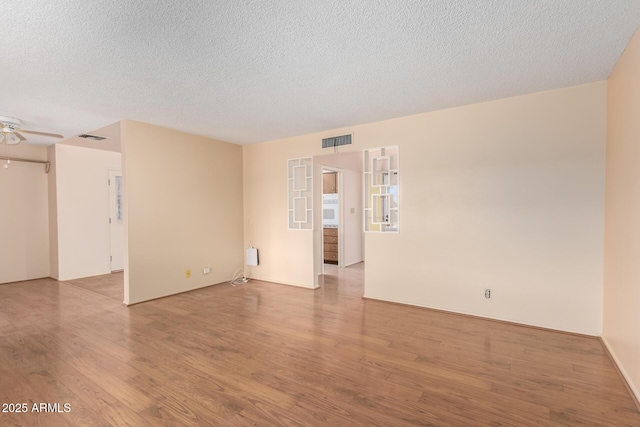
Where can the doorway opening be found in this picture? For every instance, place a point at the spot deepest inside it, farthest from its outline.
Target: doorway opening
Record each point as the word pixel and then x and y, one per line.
pixel 116 232
pixel 340 242
pixel 331 216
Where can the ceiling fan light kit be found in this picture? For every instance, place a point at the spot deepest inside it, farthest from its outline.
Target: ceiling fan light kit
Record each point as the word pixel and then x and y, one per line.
pixel 9 127
pixel 10 136
pixel 10 139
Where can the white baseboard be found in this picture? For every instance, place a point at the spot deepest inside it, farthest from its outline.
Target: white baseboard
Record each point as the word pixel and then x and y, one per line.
pixel 278 282
pixel 485 316
pixel 620 367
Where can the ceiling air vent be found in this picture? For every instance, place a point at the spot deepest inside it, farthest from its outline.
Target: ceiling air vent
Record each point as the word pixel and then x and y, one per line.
pixel 94 137
pixel 336 141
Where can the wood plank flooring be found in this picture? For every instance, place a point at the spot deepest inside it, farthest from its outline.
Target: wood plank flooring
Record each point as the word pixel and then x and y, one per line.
pixel 109 285
pixel 266 354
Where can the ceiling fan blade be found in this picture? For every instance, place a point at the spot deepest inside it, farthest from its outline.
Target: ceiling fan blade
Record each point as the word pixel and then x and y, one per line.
pixel 33 132
pixel 20 137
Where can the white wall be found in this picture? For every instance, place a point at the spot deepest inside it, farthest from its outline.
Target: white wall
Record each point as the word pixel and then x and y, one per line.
pixel 507 195
pixel 183 210
pixel 24 227
pixel 82 202
pixel 621 323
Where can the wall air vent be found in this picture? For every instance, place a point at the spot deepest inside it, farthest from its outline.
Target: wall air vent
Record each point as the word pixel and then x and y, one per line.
pixel 94 137
pixel 336 141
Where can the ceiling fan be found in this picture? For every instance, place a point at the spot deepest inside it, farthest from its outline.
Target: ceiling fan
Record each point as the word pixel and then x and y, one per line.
pixel 9 134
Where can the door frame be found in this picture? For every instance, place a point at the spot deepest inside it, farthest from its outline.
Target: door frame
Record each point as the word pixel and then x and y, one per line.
pixel 109 183
pixel 318 249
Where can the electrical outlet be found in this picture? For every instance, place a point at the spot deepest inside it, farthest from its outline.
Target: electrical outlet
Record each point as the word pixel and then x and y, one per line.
pixel 206 270
pixel 487 293
pixel 187 274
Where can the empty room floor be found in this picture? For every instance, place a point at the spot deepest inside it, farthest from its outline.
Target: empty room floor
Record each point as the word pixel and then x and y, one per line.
pixel 110 285
pixel 268 354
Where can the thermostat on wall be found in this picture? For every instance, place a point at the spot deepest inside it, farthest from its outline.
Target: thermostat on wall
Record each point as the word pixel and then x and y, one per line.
pixel 252 256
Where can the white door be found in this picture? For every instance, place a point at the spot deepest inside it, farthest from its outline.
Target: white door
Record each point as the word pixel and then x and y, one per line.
pixel 116 231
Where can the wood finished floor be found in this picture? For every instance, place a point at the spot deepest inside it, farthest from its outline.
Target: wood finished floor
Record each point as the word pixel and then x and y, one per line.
pixel 109 285
pixel 267 354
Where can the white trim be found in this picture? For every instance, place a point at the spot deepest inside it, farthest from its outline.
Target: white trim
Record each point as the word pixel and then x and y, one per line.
pixel 297 285
pixel 624 373
pixel 483 316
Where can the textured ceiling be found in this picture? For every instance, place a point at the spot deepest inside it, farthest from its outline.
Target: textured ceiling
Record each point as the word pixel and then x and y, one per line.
pixel 249 71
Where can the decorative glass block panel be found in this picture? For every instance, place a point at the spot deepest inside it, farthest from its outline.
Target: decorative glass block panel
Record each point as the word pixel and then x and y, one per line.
pixel 300 193
pixel 381 187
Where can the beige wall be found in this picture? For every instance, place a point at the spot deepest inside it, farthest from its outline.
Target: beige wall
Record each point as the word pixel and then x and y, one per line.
pixel 53 212
pixel 24 226
pixel 621 325
pixel 285 256
pixel 183 210
pixel 348 160
pixel 352 234
pixel 82 210
pixel 507 195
